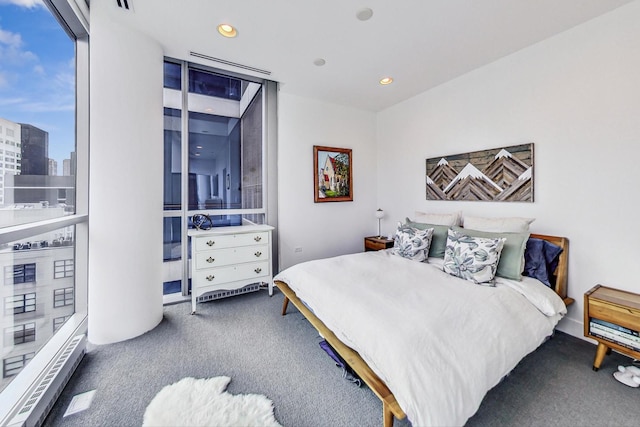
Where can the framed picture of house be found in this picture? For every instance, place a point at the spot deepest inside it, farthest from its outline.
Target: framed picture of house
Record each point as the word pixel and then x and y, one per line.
pixel 332 174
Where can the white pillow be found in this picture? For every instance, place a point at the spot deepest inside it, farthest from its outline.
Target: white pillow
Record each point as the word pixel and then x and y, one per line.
pixel 438 218
pixel 498 225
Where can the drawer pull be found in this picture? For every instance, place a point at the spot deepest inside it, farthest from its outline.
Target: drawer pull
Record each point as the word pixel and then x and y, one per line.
pixel 211 243
pixel 211 277
pixel 258 270
pixel 257 238
pixel 210 260
pixel 258 254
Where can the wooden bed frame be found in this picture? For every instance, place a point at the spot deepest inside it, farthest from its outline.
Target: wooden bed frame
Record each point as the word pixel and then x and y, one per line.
pixel 390 407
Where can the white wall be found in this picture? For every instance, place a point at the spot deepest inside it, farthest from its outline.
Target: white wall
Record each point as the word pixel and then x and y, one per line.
pixel 126 157
pixel 576 96
pixel 322 229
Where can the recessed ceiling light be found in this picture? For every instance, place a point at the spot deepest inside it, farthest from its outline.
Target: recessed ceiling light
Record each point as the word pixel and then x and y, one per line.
pixel 227 30
pixel 319 62
pixel 197 154
pixel 386 81
pixel 364 14
pixel 198 146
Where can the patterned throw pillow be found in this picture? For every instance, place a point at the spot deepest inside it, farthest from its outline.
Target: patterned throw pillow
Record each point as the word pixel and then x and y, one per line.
pixel 472 258
pixel 412 243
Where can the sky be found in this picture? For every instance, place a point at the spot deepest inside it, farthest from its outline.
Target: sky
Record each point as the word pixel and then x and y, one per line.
pixel 37 73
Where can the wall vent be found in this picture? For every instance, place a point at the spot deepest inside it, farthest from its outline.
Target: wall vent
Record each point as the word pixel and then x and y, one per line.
pixel 233 64
pixel 124 4
pixel 43 396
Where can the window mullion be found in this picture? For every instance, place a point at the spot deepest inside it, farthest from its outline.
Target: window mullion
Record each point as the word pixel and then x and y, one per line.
pixel 184 178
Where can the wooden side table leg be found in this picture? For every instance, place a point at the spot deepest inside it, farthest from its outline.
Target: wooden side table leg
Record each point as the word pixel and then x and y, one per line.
pixel 600 353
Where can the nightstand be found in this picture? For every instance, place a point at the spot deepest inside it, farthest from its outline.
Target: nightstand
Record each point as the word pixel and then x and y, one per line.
pixel 612 317
pixel 376 243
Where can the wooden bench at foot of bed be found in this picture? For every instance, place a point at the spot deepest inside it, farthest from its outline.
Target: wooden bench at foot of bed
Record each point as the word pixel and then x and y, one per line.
pixel 390 407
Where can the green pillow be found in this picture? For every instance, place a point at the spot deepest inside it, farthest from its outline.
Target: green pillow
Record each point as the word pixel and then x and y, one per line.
pixel 511 262
pixel 438 239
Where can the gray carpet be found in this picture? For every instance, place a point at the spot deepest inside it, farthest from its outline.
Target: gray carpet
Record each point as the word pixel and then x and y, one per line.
pixel 246 338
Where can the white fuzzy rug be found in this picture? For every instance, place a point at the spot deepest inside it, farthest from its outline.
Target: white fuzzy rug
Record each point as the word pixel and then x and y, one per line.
pixel 204 402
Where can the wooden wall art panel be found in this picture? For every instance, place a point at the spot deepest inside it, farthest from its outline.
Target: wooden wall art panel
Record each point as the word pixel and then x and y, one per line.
pixel 500 174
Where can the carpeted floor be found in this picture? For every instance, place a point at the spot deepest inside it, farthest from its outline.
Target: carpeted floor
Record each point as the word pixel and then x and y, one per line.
pixel 246 338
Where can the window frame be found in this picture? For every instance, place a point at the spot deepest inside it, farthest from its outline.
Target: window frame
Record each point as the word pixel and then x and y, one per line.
pixel 63 297
pixel 23 334
pixel 65 272
pixel 10 274
pixel 73 16
pixel 269 170
pixel 20 303
pixel 22 359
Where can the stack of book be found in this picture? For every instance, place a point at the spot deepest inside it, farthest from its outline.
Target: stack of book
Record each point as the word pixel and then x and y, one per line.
pixel 618 334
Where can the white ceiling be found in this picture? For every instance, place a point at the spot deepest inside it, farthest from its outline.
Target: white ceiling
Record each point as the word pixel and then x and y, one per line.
pixel 420 43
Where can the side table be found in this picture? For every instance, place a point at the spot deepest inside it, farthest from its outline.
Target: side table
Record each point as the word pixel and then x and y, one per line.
pixel 376 243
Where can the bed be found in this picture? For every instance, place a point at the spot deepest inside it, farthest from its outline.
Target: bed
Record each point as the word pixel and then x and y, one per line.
pixel 428 344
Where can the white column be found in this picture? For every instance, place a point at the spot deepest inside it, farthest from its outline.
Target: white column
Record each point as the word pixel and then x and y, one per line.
pixel 126 198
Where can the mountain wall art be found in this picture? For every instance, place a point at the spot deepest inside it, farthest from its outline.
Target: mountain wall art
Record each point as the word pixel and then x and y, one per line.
pixel 500 174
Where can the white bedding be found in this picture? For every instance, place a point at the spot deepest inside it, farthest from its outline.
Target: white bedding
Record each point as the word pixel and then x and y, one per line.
pixel 438 342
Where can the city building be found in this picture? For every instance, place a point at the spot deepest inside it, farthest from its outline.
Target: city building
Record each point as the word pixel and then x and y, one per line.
pixel 38 296
pixel 10 152
pixel 35 150
pixel 53 167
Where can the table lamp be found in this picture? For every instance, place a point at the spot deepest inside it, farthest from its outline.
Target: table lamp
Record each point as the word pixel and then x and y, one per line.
pixel 379 215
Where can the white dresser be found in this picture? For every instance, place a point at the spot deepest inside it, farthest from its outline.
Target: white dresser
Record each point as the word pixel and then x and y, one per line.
pixel 228 261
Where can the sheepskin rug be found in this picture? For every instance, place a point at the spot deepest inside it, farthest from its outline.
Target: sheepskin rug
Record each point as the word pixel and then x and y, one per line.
pixel 204 402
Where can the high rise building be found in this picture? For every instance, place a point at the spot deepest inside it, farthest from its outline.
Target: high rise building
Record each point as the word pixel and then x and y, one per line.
pixel 35 150
pixel 10 152
pixel 53 167
pixel 69 165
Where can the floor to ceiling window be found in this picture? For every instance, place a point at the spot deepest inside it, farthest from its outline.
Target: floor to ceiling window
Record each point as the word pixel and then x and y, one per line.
pixel 43 189
pixel 214 129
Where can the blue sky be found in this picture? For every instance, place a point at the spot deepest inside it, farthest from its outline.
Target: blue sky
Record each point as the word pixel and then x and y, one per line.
pixel 37 73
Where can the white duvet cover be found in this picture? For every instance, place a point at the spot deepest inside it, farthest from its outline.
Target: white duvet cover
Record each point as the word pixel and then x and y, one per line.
pixel 438 342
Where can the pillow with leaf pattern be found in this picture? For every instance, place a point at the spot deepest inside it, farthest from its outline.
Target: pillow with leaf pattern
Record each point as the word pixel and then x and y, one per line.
pixel 472 258
pixel 412 243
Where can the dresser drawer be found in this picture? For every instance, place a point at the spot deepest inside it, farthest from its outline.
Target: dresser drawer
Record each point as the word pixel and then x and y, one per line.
pixel 203 243
pixel 232 273
pixel 237 255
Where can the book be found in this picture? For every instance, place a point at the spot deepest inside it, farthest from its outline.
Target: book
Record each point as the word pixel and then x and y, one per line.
pixel 615 339
pixel 614 326
pixel 618 342
pixel 615 332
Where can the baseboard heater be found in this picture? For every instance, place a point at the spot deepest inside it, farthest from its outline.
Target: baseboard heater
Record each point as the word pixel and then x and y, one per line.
pixel 43 394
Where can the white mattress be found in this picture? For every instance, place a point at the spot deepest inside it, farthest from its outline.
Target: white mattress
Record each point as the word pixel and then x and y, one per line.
pixel 438 342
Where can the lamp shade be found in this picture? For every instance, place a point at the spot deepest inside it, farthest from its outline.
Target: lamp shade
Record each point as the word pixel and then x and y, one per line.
pixel 379 213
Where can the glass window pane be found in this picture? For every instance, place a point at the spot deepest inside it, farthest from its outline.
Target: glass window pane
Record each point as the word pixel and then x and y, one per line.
pixel 225 145
pixel 37 128
pixel 252 154
pixel 172 159
pixel 38 287
pixel 172 254
pixel 214 162
pixel 172 75
pixel 210 84
pixel 223 153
